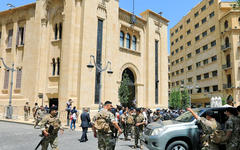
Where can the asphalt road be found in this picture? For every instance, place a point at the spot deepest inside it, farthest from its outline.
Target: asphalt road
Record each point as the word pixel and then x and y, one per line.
pixel 15 136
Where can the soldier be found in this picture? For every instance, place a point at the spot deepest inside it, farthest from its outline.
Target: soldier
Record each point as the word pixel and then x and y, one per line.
pixel 124 117
pixel 130 123
pixel 209 125
pixel 34 110
pixel 51 121
pixel 232 127
pixel 139 125
pixel 103 127
pixel 26 111
pixel 39 115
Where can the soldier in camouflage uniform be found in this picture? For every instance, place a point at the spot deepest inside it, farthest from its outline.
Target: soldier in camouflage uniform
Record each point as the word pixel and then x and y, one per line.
pixel 51 138
pixel 39 116
pixel 209 125
pixel 124 117
pixel 130 123
pixel 26 111
pixel 232 128
pixel 139 125
pixel 103 125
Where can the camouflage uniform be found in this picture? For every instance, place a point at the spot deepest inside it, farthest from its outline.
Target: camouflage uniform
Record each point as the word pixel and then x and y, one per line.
pixel 53 137
pixel 138 129
pixel 130 124
pixel 106 141
pixel 124 125
pixel 208 127
pixel 232 125
pixel 26 112
pixel 39 116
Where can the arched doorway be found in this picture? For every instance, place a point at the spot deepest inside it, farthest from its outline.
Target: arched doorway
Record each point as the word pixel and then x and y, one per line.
pixel 131 86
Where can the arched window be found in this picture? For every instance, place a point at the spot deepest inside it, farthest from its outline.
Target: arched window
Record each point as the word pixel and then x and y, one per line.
pixel 58 66
pixel 56 32
pixel 134 43
pixel 122 39
pixel 226 24
pixel 54 66
pixel 128 41
pixel 227 44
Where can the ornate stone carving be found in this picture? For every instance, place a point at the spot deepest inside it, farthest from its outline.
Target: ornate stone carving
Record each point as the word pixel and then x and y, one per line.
pixel 127 18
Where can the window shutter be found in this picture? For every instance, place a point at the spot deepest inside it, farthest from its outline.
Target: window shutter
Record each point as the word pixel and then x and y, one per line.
pixel 6 79
pixel 18 33
pixel 10 33
pixel 23 34
pixel 19 79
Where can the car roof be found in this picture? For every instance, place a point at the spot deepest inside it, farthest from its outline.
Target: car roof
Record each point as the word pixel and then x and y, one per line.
pixel 215 108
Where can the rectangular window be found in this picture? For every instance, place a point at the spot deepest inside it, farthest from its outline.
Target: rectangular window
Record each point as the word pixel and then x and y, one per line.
pixel 188 32
pixel 189 67
pixel 212 29
pixel 176 31
pixel 177 61
pixel 215 88
pixel 0 36
pixel 205 62
pixel 176 40
pixel 188 43
pixel 172 73
pixel 181 27
pixel 173 84
pixel 172 43
pixel 181 48
pixel 204 33
pixel 198 51
pixel 204 20
pixel 172 53
pixel 198 64
pixel 156 71
pixel 172 63
pixel 196 14
pixel 197 38
pixel 182 59
pixel 177 50
pixel 203 8
pixel 189 55
pixel 182 81
pixel 6 79
pixel 172 34
pixel 98 60
pixel 215 73
pixel 196 25
pixel 188 21
pixel 206 89
pixel 199 90
pixel 181 37
pixel 199 77
pixel 177 83
pixel 211 14
pixel 205 47
pixel 213 43
pixel 211 2
pixel 19 79
pixel 20 36
pixel 10 34
pixel 182 70
pixel 189 79
pixel 214 58
pixel 206 75
pixel 177 72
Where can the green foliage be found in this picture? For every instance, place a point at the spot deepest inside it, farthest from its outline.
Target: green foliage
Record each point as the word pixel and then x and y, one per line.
pixel 179 99
pixel 236 5
pixel 124 92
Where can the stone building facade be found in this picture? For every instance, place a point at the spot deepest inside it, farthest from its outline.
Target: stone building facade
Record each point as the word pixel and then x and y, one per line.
pixel 200 58
pixel 50 43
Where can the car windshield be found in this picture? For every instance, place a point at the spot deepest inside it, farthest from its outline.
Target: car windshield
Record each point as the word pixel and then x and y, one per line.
pixel 187 116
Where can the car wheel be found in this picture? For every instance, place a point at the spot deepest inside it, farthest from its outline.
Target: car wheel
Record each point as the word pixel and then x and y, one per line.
pixel 178 145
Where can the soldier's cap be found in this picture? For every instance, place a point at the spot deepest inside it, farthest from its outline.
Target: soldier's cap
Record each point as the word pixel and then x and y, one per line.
pixel 158 109
pixel 53 108
pixel 210 113
pixel 138 109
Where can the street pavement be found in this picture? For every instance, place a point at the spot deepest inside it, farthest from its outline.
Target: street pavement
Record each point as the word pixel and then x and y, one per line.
pixel 14 136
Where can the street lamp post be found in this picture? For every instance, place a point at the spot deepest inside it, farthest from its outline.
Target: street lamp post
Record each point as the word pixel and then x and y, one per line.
pixel 190 88
pixel 99 69
pixel 9 107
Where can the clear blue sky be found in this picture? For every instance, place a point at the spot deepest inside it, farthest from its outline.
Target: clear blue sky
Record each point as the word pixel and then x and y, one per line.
pixel 173 10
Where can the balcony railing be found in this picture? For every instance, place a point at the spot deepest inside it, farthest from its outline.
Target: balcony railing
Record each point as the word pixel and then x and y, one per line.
pixel 226 66
pixel 225 47
pixel 227 86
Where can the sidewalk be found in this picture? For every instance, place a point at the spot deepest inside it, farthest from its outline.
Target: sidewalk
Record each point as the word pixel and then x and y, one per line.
pixel 31 122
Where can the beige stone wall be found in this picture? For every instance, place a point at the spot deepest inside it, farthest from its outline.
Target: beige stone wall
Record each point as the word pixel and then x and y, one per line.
pixel 79 40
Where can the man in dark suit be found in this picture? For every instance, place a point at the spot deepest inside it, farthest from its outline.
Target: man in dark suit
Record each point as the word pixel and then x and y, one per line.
pixel 85 120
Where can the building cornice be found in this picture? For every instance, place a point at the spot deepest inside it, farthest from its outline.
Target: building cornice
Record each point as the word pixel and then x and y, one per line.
pixel 9 11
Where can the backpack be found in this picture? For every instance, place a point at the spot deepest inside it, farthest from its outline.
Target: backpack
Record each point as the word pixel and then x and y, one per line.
pixel 101 123
pixel 217 136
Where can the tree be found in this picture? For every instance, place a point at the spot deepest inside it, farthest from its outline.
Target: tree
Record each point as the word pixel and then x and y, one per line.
pixel 124 92
pixel 179 99
pixel 237 5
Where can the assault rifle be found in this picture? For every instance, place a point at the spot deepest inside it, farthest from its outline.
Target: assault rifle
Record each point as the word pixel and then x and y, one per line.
pixel 50 130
